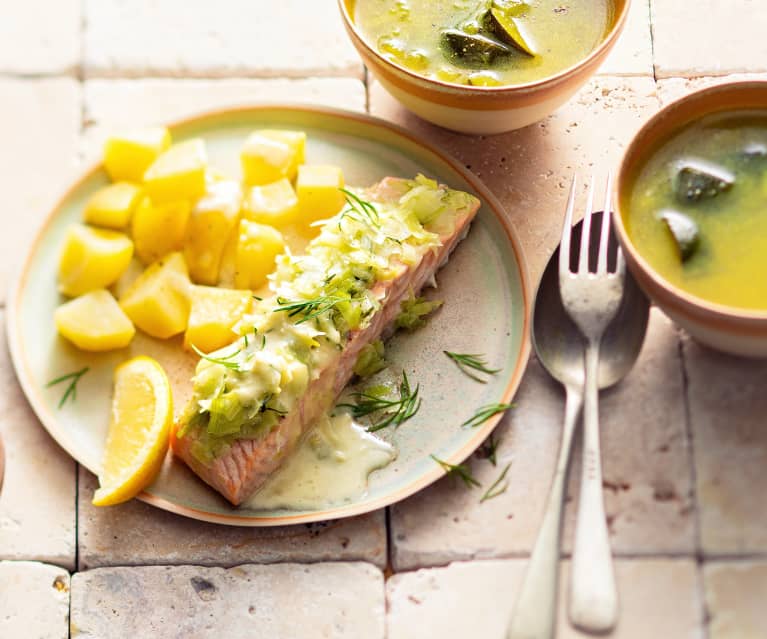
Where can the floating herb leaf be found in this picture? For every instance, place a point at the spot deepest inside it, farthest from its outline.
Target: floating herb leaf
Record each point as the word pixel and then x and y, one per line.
pixel 309 309
pixel 225 360
pixel 71 390
pixel 466 361
pixel 484 413
pixel 498 487
pixel 458 470
pixel 396 411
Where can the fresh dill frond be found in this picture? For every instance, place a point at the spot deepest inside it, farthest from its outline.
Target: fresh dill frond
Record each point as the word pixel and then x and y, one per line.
pixel 225 360
pixel 458 470
pixel 360 209
pixel 475 361
pixel 71 391
pixel 489 449
pixel 245 339
pixel 257 298
pixel 308 309
pixel 498 487
pixel 484 413
pixel 395 411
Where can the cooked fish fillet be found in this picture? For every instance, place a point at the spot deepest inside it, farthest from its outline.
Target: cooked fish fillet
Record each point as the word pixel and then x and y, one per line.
pixel 238 467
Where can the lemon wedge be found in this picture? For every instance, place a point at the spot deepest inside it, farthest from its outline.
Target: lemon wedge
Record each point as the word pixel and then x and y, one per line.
pixel 142 412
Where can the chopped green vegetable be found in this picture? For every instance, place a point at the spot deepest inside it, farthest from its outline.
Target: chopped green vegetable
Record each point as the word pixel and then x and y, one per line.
pixel 509 30
pixel 685 232
pixel 371 359
pixel 465 361
pixel 696 180
pixel 71 391
pixel 484 413
pixel 394 411
pixel 458 470
pixel 474 48
pixel 498 487
pixel 413 310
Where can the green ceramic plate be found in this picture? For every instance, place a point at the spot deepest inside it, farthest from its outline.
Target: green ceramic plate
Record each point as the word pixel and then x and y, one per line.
pixel 486 310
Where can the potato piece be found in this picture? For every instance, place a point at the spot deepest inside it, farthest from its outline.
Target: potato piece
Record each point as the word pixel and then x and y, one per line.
pixel 211 223
pixel 214 312
pixel 158 301
pixel 275 204
pixel 178 173
pixel 319 191
pixel 269 155
pixel 92 258
pixel 113 205
pixel 159 229
pixel 128 155
pixel 94 322
pixel 257 247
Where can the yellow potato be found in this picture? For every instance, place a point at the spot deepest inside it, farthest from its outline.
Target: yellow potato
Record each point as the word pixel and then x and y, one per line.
pixel 159 229
pixel 257 247
pixel 94 322
pixel 113 205
pixel 275 204
pixel 269 155
pixel 211 223
pixel 92 258
pixel 178 173
pixel 214 312
pixel 158 301
pixel 128 155
pixel 319 192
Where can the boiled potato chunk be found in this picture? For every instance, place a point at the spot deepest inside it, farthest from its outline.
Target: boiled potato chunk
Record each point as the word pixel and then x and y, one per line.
pixel 275 204
pixel 128 155
pixel 159 229
pixel 178 173
pixel 92 258
pixel 94 322
pixel 319 191
pixel 257 247
pixel 269 155
pixel 113 205
pixel 158 301
pixel 214 312
pixel 211 223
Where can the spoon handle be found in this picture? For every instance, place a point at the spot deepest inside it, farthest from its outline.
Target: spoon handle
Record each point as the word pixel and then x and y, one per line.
pixel 535 611
pixel 593 594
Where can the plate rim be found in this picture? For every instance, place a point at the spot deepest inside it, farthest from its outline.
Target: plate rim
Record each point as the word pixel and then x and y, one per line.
pixel 53 427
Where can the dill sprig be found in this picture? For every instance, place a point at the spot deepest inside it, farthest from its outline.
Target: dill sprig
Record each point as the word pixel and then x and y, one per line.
pixel 498 487
pixel 225 360
pixel 489 449
pixel 466 361
pixel 484 413
pixel 396 411
pixel 71 390
pixel 457 470
pixel 309 309
pixel 360 209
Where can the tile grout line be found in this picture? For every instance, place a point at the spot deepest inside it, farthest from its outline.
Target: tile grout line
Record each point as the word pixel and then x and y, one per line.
pixel 652 40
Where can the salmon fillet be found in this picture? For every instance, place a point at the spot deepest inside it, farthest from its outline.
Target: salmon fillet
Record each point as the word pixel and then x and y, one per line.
pixel 244 465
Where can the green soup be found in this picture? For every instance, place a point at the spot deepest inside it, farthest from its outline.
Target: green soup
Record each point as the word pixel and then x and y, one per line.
pixel 697 209
pixel 484 43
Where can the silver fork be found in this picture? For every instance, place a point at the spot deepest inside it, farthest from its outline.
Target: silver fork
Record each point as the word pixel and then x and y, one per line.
pixel 591 300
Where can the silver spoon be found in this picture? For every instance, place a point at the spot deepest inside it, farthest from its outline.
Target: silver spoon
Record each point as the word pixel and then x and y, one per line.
pixel 559 347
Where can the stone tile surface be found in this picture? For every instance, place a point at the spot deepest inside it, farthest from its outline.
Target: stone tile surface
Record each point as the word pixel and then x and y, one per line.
pixel 39 154
pixel 646 463
pixel 114 104
pixel 34 600
pixel 529 170
pixel 290 600
pixel 632 54
pixel 735 599
pixel 135 533
pixel 37 501
pixel 727 407
pixel 708 37
pixel 39 36
pixel 288 38
pixel 658 598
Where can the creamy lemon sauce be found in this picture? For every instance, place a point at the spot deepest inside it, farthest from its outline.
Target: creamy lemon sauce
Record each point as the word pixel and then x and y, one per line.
pixel 330 467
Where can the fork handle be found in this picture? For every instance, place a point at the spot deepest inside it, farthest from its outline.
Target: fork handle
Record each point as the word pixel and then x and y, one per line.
pixel 593 594
pixel 535 612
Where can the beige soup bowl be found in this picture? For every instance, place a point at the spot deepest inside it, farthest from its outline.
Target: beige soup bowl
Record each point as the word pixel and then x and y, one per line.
pixel 733 330
pixel 482 110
